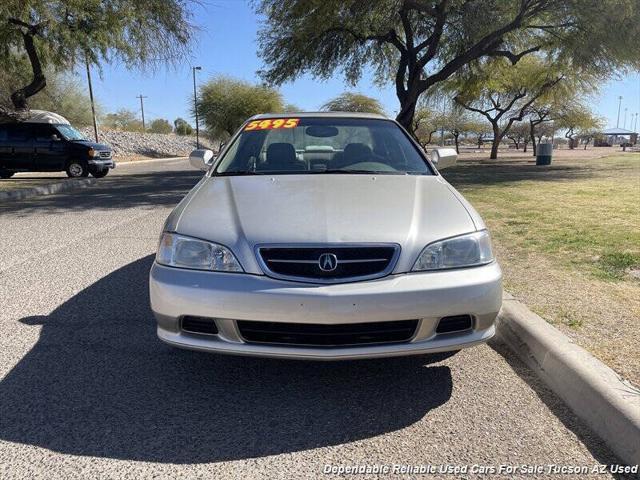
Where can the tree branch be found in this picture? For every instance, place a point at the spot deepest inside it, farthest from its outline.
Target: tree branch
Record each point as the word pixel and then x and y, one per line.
pixel 514 57
pixel 19 97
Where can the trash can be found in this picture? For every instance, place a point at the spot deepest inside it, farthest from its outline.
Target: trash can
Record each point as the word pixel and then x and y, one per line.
pixel 544 153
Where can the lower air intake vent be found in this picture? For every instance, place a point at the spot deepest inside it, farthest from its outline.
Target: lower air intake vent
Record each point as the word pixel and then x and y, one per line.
pixel 322 335
pixel 199 325
pixel 457 323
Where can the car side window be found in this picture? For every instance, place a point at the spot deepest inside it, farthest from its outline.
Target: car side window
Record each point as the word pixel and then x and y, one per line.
pixel 18 133
pixel 43 133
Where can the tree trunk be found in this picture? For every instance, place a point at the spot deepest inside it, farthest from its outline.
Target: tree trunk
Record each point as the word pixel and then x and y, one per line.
pixel 408 107
pixel 526 142
pixel 455 137
pixel 496 142
pixel 532 134
pixel 19 97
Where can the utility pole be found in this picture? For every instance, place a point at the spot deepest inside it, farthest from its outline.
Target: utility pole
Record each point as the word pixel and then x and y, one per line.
pixel 93 107
pixel 624 125
pixel 635 125
pixel 619 105
pixel 142 110
pixel 195 106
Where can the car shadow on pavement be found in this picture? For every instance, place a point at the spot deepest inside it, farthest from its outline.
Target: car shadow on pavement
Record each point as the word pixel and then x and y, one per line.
pixel 113 193
pixel 100 383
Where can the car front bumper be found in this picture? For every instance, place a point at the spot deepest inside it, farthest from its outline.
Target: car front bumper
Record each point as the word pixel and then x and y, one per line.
pixel 102 163
pixel 228 297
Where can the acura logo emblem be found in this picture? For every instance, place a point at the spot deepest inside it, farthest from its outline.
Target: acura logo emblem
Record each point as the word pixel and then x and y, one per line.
pixel 328 262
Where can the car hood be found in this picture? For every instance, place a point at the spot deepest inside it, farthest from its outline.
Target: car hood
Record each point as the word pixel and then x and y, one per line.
pixel 94 145
pixel 244 211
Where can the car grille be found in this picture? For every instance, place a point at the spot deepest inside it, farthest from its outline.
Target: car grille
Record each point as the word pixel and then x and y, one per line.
pixel 323 335
pixel 105 154
pixel 309 263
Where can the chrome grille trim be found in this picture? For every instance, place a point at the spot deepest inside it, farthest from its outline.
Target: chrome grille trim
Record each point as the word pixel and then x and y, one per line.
pixel 383 273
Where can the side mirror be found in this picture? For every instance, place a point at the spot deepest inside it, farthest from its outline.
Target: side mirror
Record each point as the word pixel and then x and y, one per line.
pixel 444 157
pixel 201 159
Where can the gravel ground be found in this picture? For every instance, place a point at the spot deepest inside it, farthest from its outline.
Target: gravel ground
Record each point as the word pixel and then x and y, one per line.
pixel 153 145
pixel 87 391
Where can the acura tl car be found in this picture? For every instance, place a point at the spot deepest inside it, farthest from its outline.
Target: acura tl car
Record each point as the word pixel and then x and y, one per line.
pixel 324 236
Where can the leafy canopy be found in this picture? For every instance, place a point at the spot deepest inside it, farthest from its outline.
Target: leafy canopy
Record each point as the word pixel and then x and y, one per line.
pixel 123 119
pixel 182 127
pixel 64 33
pixel 225 103
pixel 160 125
pixel 353 102
pixel 418 43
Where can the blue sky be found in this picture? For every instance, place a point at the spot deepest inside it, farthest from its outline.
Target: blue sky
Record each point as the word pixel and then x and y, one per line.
pixel 226 44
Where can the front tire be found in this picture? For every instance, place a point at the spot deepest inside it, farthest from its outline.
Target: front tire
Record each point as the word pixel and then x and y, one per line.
pixel 77 169
pixel 99 173
pixel 6 174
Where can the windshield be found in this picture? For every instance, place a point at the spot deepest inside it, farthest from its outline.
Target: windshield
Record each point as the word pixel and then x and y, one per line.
pixel 70 133
pixel 319 145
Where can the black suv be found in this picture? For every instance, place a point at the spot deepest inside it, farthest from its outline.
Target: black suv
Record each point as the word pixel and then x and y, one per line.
pixel 51 147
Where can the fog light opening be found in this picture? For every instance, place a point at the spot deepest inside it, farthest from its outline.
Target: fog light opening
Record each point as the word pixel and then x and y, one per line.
pixel 200 325
pixel 454 324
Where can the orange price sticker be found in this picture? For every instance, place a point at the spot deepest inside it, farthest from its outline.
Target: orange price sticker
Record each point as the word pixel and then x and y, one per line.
pixel 272 123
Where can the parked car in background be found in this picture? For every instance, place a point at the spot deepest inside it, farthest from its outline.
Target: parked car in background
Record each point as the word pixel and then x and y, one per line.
pixel 46 142
pixel 324 236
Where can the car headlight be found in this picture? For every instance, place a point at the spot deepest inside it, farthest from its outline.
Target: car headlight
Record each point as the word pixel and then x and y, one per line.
pixel 93 153
pixel 186 252
pixel 469 250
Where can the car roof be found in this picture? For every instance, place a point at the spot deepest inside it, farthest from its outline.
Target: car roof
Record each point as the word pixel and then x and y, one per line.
pixel 42 116
pixel 319 115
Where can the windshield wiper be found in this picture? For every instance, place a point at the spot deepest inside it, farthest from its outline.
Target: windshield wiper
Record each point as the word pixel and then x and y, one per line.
pixel 238 174
pixel 358 172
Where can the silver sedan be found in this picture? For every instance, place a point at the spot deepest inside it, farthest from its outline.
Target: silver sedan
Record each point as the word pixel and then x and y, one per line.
pixel 324 236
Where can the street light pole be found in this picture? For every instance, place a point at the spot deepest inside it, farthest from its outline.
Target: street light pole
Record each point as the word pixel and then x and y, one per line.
pixel 195 106
pixel 93 107
pixel 624 125
pixel 619 105
pixel 142 110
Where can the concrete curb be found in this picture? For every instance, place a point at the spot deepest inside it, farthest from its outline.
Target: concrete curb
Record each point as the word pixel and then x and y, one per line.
pixel 595 393
pixel 49 189
pixel 152 160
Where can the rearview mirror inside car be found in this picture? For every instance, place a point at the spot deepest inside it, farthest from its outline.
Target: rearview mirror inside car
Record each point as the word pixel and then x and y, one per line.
pixel 444 157
pixel 201 159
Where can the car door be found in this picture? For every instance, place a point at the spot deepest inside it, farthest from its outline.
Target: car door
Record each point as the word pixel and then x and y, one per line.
pixel 6 150
pixel 19 138
pixel 50 148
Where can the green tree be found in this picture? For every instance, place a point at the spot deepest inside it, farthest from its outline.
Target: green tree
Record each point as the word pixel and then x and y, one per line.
pixel 353 102
pixel 417 44
pixel 426 122
pixel 520 136
pixel 182 127
pixel 123 119
pixel 64 94
pixel 63 34
pixel 291 108
pixel 577 119
pixel 225 103
pixel 503 93
pixel 160 125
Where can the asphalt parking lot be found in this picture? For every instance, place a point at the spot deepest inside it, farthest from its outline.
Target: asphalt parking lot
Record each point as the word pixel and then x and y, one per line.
pixel 87 390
